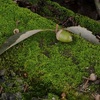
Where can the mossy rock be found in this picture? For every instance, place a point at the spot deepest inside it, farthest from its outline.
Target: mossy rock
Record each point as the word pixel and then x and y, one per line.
pixel 52 67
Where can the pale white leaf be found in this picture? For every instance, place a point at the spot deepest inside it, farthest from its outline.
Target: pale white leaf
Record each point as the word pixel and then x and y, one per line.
pixel 16 38
pixel 83 32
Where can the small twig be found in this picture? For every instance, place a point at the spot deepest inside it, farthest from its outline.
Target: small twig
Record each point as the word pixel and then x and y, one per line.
pixel 1 88
pixel 56 30
pixel 92 77
pixel 85 85
pixel 25 87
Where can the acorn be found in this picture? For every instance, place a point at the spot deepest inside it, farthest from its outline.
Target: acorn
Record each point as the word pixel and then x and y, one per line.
pixel 63 36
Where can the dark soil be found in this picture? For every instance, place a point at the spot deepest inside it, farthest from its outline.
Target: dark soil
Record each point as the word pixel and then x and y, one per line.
pixel 84 7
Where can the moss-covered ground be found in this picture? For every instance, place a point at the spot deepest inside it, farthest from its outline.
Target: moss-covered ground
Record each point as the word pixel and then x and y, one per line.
pixel 51 67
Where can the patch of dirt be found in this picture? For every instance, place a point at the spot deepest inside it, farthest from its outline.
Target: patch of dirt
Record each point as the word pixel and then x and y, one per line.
pixel 84 7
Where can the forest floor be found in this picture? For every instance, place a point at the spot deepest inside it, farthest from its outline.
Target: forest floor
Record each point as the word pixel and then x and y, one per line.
pixel 40 67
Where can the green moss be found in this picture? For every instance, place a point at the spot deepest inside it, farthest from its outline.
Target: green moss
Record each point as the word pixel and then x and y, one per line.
pixel 52 96
pixel 52 66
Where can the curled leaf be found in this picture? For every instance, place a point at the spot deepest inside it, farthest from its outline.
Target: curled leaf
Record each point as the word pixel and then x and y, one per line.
pixel 83 32
pixel 63 36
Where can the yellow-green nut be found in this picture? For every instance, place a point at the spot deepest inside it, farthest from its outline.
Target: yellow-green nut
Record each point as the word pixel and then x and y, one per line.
pixel 63 36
